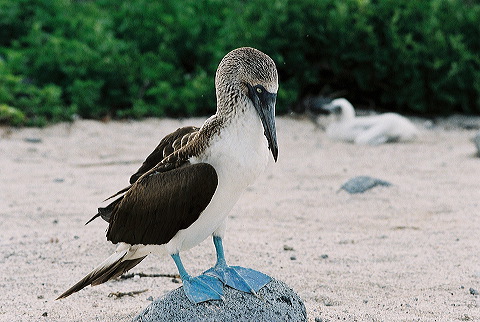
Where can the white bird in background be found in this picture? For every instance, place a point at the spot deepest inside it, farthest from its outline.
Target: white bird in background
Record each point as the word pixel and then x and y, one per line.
pixel 371 130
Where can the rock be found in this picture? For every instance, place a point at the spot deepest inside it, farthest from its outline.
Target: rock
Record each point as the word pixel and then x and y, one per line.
pixel 473 291
pixel 464 122
pixel 275 302
pixel 476 140
pixel 362 183
pixel 32 140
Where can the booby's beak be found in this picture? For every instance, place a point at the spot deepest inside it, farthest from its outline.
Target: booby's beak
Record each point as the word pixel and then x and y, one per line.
pixel 264 103
pixel 332 108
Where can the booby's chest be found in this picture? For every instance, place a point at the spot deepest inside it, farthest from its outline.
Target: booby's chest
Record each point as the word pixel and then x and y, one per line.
pixel 238 151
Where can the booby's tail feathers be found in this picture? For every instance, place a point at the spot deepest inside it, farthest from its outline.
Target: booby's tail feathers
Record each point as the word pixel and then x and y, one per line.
pixel 112 267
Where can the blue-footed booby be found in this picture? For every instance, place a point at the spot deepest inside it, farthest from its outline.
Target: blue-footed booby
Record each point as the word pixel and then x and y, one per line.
pixel 186 187
pixel 371 130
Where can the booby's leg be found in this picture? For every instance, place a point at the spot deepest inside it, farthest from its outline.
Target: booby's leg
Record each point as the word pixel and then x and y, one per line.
pixel 240 278
pixel 201 288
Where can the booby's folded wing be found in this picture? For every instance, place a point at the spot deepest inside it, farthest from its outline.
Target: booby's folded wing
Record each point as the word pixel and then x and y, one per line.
pixel 162 202
pixel 170 143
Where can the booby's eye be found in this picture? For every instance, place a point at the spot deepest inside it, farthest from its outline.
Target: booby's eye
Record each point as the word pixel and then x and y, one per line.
pixel 256 92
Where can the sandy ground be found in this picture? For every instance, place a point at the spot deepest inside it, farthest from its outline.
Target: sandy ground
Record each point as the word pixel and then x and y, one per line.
pixel 402 253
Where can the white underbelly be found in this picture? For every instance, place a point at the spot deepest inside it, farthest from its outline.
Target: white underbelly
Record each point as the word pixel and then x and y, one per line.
pixel 239 156
pixel 211 219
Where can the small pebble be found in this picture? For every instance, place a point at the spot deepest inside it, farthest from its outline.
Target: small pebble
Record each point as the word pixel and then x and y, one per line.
pixel 293 258
pixel 473 291
pixel 45 314
pixel 175 280
pixel 362 183
pixel 318 320
pixel 33 140
pixel 286 247
pixel 150 298
pixel 136 277
pixel 40 297
pixel 428 124
pixel 476 141
pixel 324 256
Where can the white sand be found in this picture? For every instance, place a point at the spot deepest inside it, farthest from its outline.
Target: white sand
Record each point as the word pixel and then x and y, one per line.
pixel 406 252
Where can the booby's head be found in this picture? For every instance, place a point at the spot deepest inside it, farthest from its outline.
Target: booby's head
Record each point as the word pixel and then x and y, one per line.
pixel 341 108
pixel 250 76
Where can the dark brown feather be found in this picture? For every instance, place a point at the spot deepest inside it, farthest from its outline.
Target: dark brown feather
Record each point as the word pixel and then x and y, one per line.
pixel 117 270
pixel 162 202
pixel 111 271
pixel 170 143
pixel 106 212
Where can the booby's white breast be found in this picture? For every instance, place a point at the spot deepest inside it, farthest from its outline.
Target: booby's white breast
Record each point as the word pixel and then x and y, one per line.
pixel 239 153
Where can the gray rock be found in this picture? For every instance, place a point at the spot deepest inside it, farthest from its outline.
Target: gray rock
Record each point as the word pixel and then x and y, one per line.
pixel 32 140
pixel 476 141
pixel 276 302
pixel 362 183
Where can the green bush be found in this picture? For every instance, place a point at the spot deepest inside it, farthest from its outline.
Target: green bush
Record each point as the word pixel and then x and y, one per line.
pixel 10 115
pixel 36 105
pixel 158 58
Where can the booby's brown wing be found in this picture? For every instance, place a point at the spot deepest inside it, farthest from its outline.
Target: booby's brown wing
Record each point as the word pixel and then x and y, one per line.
pixel 170 143
pixel 163 201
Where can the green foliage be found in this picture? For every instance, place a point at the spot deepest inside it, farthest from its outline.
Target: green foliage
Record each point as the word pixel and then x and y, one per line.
pixel 36 104
pixel 10 115
pixel 158 58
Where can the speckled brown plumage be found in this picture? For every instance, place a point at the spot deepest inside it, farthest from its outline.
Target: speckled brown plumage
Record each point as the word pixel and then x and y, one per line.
pixel 169 144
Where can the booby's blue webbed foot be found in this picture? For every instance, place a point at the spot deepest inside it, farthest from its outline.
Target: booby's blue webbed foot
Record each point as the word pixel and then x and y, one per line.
pixel 203 288
pixel 237 277
pixel 200 288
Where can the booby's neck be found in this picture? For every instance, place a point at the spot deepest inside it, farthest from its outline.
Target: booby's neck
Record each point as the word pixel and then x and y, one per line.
pixel 347 112
pixel 230 100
